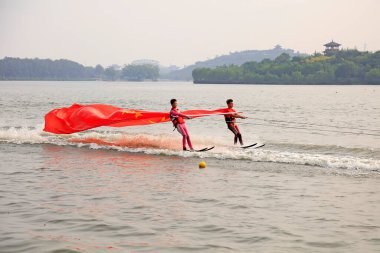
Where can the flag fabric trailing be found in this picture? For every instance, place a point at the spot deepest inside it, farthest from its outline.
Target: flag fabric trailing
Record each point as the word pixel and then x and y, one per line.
pixel 77 118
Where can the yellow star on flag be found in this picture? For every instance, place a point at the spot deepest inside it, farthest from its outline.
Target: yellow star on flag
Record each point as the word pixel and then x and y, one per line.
pixel 127 111
pixel 138 114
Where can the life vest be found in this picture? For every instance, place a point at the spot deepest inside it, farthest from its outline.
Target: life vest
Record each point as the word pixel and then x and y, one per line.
pixel 229 118
pixel 176 119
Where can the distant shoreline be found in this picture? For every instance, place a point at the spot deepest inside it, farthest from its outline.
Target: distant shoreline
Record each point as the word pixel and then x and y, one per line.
pixel 184 81
pixel 343 67
pixel 81 80
pixel 294 84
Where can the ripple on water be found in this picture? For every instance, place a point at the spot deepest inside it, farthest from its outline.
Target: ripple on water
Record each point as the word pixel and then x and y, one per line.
pixel 19 246
pixel 102 227
pixel 374 240
pixel 366 227
pixel 66 251
pixel 213 229
pixel 253 239
pixel 202 200
pixel 327 244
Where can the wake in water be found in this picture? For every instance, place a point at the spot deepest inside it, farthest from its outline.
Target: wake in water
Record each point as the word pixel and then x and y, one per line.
pixel 322 156
pixel 125 141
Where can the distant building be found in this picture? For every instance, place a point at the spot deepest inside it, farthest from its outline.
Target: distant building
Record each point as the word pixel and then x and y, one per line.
pixel 331 47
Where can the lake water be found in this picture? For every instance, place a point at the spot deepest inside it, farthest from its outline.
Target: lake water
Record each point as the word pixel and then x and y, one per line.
pixel 313 187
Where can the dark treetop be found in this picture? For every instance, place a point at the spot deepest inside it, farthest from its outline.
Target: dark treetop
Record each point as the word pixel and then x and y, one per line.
pixel 65 70
pixel 343 67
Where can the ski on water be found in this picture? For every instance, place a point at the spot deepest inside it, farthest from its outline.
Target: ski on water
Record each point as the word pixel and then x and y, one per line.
pixel 204 149
pixel 262 145
pixel 249 146
pixel 253 146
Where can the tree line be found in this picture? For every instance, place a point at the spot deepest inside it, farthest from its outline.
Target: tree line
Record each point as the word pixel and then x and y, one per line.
pixel 66 70
pixel 234 58
pixel 340 67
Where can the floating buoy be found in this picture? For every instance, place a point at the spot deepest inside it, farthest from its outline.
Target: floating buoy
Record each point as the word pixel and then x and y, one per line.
pixel 202 165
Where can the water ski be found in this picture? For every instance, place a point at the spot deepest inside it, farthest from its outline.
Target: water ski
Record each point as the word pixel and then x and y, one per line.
pixel 204 149
pixel 249 146
pixel 253 146
pixel 262 145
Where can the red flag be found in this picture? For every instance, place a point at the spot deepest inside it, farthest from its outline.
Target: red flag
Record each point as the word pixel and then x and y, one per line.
pixel 78 118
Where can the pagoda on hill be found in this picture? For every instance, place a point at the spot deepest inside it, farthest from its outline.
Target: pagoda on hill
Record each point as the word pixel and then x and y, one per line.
pixel 331 47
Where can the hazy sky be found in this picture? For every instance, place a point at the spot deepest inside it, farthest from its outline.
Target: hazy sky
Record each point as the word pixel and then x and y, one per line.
pixel 177 31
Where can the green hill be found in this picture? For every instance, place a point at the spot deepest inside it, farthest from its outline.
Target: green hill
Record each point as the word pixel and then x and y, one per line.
pixel 236 58
pixel 44 69
pixel 342 67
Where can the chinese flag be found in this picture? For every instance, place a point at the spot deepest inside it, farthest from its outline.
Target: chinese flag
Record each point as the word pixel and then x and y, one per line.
pixel 77 118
